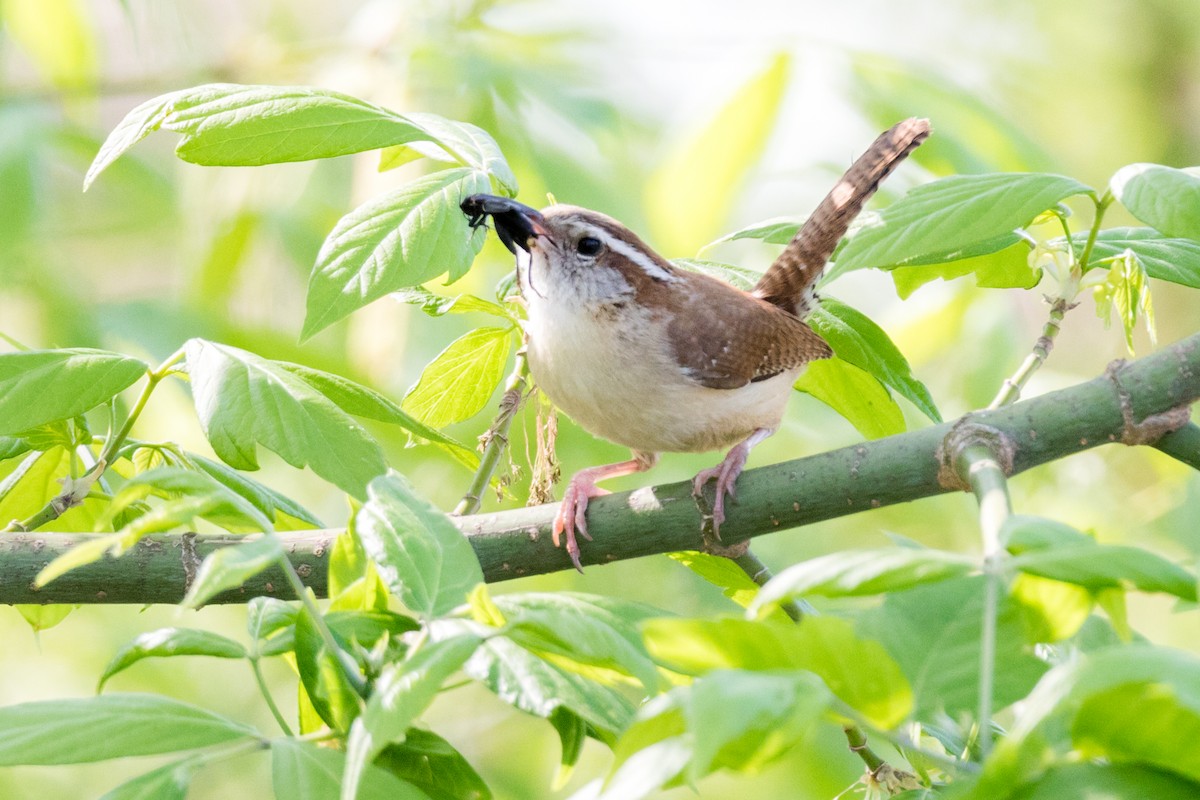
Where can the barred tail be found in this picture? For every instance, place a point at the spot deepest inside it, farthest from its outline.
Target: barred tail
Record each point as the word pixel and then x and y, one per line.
pixel 790 280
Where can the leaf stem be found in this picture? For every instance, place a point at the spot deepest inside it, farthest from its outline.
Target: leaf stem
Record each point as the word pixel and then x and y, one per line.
pixel 979 466
pixel 1101 206
pixel 266 693
pixel 1010 390
pixel 495 439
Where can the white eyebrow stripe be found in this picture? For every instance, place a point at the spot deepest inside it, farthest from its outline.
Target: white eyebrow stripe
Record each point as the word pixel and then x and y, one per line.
pixel 648 265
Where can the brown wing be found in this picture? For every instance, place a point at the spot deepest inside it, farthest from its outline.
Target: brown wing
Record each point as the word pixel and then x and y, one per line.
pixel 724 338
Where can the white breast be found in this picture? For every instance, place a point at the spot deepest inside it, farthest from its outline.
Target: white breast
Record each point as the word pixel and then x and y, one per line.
pixel 612 372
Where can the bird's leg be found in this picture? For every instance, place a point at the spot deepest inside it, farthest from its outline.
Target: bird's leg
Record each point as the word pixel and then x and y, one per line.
pixel 571 516
pixel 726 474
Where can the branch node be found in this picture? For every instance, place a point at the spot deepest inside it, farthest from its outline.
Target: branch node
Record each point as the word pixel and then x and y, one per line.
pixel 1153 427
pixel 190 558
pixel 967 433
pixel 732 551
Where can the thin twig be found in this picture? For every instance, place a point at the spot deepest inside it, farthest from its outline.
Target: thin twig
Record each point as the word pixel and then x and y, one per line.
pixel 1010 390
pixel 495 439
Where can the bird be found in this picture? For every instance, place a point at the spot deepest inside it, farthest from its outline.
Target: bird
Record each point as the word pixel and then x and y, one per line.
pixel 646 354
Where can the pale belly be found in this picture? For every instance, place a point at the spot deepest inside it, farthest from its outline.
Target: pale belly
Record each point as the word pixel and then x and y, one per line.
pixel 624 388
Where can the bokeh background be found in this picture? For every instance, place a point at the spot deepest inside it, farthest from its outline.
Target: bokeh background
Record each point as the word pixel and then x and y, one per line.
pixel 602 105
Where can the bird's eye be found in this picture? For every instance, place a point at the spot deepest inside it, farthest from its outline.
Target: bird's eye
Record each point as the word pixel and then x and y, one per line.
pixel 588 246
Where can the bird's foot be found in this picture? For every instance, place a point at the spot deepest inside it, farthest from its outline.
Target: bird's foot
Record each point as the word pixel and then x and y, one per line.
pixel 726 474
pixel 572 514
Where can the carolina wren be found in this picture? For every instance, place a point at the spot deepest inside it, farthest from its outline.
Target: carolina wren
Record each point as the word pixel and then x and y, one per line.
pixel 657 358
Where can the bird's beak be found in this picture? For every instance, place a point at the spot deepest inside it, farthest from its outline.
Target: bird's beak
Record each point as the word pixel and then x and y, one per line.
pixel 516 224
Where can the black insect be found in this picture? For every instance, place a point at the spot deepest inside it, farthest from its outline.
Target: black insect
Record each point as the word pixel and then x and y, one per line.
pixel 514 222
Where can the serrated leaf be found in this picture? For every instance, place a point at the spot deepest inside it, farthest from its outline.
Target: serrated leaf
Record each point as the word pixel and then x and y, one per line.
pixel 361 401
pixel 461 379
pixel 955 217
pixel 166 642
pixel 1163 197
pixel 322 674
pixel 772 231
pixel 422 557
pixel 855 394
pixel 861 572
pixel 168 782
pixel 403 238
pixel 537 687
pixel 268 615
pixel 244 400
pixel 230 567
pixel 40 386
pixel 859 671
pixel 855 338
pixel 49 732
pixel 1092 781
pixel 689 196
pixel 587 629
pixel 723 573
pixel 1097 566
pixel 740 277
pixel 205 497
pixel 12 446
pixel 402 693
pixel 304 771
pixel 469 144
pixel 437 305
pixel 262 497
pixel 1169 259
pixel 430 763
pixel 1003 269
pixel 44 617
pixel 1024 532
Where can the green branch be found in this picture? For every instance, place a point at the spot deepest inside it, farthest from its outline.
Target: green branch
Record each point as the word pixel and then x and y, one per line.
pixel 1128 403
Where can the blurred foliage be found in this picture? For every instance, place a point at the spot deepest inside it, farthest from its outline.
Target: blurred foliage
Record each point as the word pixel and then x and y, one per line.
pixel 593 104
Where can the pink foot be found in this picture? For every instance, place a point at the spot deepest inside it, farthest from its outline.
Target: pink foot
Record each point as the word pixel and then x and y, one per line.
pixel 727 473
pixel 572 514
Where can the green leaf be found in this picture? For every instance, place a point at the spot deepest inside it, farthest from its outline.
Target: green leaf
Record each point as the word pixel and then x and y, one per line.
pixel 572 733
pixel 1106 782
pixel 322 675
pixel 689 196
pixel 166 642
pixel 1097 567
pixel 403 238
pixel 933 632
pixel 1023 532
pixel 855 394
pixel 470 145
pixel 855 338
pixel 861 572
pixel 955 217
pixel 51 732
pixel 304 771
pixel 1163 197
pixel 422 557
pixel 772 231
pixel 430 763
pixel 587 629
pixel 230 567
pixel 212 501
pixel 264 498
pixel 268 615
pixel 356 399
pixel 168 782
pixel 1174 260
pixel 461 379
pixel 745 720
pixel 12 446
pixel 44 617
pixel 401 695
pixel 859 671
pixel 244 400
pixel 40 386
pixel 437 305
pixel 1127 722
pixel 1052 610
pixel 1007 268
pixel 537 687
pixel 723 573
pixel 740 277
